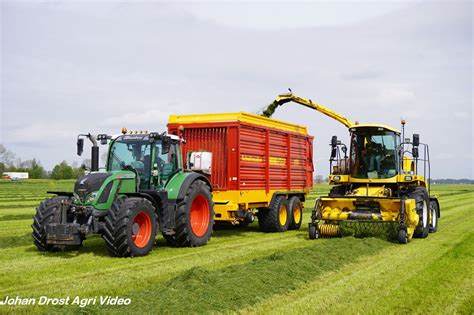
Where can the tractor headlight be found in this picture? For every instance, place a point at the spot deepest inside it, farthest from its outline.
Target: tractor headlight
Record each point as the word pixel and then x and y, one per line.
pixel 408 178
pixel 91 197
pixel 336 178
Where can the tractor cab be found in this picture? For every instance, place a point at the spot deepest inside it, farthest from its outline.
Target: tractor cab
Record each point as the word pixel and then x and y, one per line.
pixel 154 158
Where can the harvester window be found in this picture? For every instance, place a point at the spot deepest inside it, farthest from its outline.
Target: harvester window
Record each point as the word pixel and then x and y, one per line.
pixel 374 154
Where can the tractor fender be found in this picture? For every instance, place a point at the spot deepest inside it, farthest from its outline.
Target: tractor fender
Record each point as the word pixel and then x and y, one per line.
pixel 149 197
pixel 191 178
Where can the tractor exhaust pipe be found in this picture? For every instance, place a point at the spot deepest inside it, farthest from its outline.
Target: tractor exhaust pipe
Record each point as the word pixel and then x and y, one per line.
pixel 95 159
pixel 94 153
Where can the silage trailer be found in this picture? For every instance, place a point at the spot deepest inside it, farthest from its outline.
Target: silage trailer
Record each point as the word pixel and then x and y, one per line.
pixel 208 168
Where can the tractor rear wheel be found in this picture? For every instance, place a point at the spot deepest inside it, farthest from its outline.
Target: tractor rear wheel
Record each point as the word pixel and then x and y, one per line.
pixel 296 213
pixel 276 218
pixel 49 211
pixel 195 216
pixel 434 210
pixel 130 227
pixel 422 209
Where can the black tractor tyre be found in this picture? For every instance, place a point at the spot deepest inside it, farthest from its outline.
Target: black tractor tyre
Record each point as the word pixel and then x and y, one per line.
pixel 130 227
pixel 170 240
pixel 276 218
pixel 195 216
pixel 296 213
pixel 434 210
pixel 49 211
pixel 422 209
pixel 313 232
pixel 402 236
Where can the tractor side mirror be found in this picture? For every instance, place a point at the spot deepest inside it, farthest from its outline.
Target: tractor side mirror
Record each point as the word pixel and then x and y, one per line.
pixel 80 146
pixel 334 141
pixel 414 152
pixel 416 140
pixel 165 144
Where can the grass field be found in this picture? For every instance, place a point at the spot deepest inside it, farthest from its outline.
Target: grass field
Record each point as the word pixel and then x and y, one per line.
pixel 244 270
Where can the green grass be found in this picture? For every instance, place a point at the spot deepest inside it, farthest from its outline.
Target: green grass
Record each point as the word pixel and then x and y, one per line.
pixel 244 270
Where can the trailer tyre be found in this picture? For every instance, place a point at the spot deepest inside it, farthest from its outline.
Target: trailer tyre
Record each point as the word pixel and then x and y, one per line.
pixel 422 209
pixel 195 216
pixel 49 211
pixel 296 213
pixel 276 218
pixel 130 227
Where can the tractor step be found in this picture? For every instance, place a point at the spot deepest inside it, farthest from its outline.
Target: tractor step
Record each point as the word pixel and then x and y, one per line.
pixel 63 234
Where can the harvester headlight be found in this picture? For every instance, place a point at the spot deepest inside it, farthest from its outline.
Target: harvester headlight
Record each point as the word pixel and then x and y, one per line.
pixel 408 178
pixel 91 197
pixel 336 178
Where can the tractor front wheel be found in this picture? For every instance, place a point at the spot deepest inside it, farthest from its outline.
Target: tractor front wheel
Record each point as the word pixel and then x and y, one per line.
pixel 195 216
pixel 130 227
pixel 49 211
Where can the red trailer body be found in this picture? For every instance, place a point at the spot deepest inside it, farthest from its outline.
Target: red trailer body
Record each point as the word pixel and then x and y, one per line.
pixel 254 158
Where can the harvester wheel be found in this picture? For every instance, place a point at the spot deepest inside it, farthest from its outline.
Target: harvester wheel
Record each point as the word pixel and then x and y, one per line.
pixel 130 227
pixel 276 218
pixel 313 232
pixel 296 213
pixel 195 216
pixel 402 236
pixel 49 211
pixel 433 216
pixel 422 209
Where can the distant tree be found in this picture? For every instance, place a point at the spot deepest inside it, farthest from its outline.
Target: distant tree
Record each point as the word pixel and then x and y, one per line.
pixel 78 171
pixel 3 168
pixel 36 170
pixel 319 179
pixel 6 157
pixel 62 171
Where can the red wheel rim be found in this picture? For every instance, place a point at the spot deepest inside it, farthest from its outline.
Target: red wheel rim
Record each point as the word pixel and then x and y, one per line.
pixel 199 215
pixel 141 229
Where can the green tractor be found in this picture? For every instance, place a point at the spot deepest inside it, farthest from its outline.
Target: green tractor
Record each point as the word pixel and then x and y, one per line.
pixel 143 190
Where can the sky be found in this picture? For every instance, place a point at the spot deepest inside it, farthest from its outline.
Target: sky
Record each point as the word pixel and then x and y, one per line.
pixel 70 67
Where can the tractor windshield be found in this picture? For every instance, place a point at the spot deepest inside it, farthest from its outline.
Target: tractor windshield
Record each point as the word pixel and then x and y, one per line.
pixel 135 152
pixel 374 153
pixel 132 152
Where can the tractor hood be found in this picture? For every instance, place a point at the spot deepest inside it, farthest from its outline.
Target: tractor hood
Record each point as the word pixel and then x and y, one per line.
pixel 89 183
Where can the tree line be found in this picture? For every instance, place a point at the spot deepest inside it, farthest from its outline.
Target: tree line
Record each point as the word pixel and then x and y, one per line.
pixel 62 170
